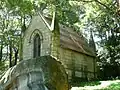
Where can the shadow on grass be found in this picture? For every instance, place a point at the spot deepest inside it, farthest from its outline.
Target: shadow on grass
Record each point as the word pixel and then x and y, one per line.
pixel 86 83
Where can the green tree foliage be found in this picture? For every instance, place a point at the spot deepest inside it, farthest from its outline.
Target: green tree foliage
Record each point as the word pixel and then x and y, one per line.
pixel 14 15
pixel 104 20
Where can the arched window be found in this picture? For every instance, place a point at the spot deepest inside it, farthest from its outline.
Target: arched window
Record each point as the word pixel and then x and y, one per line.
pixel 37 46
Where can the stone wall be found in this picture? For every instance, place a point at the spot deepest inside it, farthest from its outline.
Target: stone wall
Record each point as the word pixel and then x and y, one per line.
pixel 37 26
pixel 74 62
pixel 77 63
pixel 44 73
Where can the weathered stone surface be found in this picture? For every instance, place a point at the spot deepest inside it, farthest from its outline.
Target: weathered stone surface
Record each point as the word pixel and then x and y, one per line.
pixel 44 73
pixel 37 26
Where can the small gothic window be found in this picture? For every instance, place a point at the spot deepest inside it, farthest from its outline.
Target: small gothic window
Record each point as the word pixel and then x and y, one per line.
pixel 37 46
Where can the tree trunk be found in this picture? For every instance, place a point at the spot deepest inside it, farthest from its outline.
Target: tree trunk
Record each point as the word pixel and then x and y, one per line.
pixel 21 48
pixel 16 56
pixel 10 54
pixel 1 48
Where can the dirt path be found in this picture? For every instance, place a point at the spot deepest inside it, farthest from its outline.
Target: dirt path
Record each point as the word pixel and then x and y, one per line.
pixel 103 84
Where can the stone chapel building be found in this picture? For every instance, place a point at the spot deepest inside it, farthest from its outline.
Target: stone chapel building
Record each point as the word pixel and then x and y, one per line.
pixel 46 37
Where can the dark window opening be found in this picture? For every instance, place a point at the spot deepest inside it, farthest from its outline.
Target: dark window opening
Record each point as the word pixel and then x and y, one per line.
pixel 37 46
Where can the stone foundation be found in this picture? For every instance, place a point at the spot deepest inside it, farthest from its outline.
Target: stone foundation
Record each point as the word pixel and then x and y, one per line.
pixel 44 73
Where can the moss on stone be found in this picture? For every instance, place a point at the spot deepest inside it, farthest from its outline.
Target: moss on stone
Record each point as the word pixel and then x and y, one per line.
pixel 54 75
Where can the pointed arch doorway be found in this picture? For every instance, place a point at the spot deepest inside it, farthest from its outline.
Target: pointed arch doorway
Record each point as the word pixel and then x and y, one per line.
pixel 36 46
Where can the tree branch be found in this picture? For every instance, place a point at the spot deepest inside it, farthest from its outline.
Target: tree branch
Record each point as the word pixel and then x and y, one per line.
pixel 97 1
pixel 102 4
pixel 88 1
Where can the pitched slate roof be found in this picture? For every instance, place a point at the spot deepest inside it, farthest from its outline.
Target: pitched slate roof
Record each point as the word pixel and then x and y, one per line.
pixel 70 39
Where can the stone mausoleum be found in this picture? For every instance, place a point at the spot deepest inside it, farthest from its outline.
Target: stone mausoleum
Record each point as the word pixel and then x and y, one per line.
pixel 46 37
pixel 52 55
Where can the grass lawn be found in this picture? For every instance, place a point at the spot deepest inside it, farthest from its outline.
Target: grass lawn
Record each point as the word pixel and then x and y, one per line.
pixel 98 85
pixel 115 86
